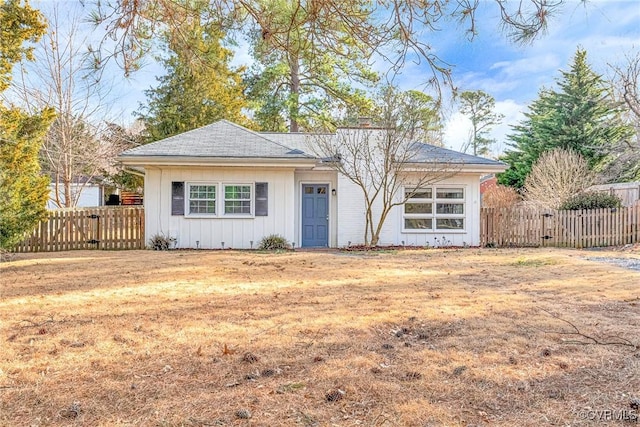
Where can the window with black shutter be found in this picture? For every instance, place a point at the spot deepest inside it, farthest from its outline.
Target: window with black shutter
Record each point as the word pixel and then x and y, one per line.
pixel 177 198
pixel 262 199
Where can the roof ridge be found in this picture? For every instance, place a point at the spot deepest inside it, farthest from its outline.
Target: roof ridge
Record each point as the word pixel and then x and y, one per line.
pixel 174 136
pixel 257 134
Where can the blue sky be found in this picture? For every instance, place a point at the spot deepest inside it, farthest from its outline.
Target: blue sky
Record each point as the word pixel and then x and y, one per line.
pixel 512 74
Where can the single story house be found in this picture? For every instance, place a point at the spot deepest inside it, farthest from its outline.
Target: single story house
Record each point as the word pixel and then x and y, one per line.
pixel 225 186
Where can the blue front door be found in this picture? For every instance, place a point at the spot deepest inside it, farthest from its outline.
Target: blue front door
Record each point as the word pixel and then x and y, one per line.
pixel 315 215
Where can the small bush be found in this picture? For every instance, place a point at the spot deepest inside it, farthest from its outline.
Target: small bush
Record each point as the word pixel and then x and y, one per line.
pixel 160 242
pixel 273 242
pixel 591 200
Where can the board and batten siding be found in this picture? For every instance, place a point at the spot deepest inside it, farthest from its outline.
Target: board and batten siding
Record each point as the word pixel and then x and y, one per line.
pixel 351 217
pixel 211 232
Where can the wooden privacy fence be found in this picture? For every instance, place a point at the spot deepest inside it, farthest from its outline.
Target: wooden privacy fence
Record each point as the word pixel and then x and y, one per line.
pixel 526 226
pixel 110 227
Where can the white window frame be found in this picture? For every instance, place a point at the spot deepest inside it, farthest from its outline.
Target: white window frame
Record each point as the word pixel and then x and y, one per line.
pixel 187 200
pixel 434 216
pixel 251 199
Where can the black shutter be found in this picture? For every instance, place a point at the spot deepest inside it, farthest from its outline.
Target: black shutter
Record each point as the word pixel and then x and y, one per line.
pixel 177 198
pixel 262 198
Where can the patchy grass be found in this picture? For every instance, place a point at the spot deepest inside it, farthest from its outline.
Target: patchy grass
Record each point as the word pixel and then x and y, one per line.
pixel 413 338
pixel 535 261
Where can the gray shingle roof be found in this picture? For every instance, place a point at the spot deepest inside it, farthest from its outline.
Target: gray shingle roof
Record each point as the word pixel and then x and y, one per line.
pixel 221 139
pixel 224 139
pixel 426 153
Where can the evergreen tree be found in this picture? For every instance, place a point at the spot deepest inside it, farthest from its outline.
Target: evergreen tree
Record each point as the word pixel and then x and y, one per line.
pixel 23 190
pixel 478 106
pixel 199 88
pixel 18 23
pixel 579 116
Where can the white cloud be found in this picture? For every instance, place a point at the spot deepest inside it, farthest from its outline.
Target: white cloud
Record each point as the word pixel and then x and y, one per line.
pixel 456 131
pixel 516 69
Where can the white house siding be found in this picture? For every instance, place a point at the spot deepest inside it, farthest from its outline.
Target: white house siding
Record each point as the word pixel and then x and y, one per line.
pixel 90 195
pixel 351 217
pixel 209 233
pixel 317 177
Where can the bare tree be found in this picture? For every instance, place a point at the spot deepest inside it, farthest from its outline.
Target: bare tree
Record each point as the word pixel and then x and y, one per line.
pixel 628 77
pixel 557 175
pixel 388 162
pixel 73 153
pixel 625 166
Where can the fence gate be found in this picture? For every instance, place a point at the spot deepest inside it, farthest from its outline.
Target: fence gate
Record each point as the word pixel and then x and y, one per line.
pixel 92 227
pixel 548 222
pixel 111 227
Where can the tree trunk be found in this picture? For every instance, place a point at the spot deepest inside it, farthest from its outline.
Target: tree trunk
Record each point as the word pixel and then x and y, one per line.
pixel 475 139
pixel 67 193
pixel 294 108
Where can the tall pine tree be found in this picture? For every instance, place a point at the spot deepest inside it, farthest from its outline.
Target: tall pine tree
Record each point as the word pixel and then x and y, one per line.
pixel 479 107
pixel 579 116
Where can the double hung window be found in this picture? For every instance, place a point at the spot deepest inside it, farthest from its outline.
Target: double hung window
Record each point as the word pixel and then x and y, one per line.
pixel 218 199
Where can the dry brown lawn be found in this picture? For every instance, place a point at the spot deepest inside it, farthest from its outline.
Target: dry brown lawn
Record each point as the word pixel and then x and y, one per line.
pixel 406 338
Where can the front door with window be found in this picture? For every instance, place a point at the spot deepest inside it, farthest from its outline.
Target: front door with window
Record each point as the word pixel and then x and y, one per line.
pixel 315 215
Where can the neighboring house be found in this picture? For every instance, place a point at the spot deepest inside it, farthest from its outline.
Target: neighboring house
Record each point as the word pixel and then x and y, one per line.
pixel 488 182
pixel 84 194
pixel 225 186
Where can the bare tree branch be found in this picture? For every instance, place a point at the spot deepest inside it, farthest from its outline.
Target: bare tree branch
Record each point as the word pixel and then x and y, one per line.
pixel 393 29
pixel 584 339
